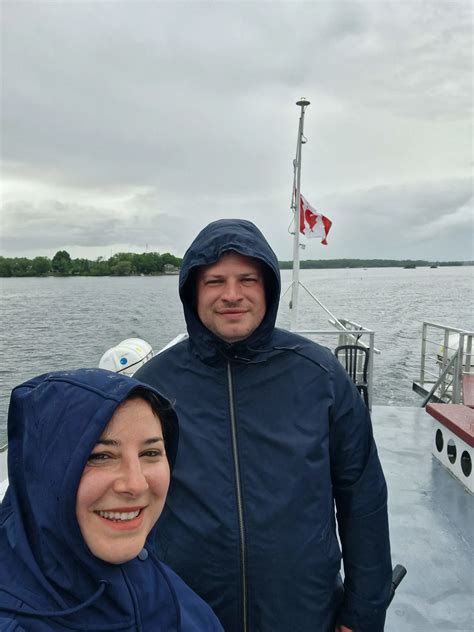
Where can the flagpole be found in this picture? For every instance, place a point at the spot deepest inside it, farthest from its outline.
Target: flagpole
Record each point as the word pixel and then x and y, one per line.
pixel 303 103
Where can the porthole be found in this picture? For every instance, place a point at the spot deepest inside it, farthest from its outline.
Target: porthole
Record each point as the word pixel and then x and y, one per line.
pixel 466 463
pixel 452 452
pixel 439 441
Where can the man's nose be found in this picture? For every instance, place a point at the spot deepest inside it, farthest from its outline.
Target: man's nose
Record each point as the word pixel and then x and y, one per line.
pixel 131 479
pixel 231 291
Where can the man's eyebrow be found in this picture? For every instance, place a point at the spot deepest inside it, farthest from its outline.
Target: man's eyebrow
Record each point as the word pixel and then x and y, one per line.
pixel 217 275
pixel 114 443
pixel 248 275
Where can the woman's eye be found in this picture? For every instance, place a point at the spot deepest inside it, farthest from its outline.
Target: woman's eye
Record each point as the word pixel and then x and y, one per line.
pixel 97 457
pixel 153 454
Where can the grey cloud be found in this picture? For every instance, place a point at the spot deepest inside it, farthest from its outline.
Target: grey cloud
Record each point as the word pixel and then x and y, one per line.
pixel 55 225
pixel 422 220
pixel 184 112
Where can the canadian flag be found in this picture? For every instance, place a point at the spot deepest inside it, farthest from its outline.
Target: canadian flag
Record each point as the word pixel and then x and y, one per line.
pixel 312 223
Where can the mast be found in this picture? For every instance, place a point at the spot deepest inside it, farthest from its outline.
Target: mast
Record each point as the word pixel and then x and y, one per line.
pixel 302 103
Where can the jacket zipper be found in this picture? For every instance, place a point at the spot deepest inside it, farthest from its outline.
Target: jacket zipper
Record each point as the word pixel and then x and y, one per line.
pixel 133 595
pixel 238 491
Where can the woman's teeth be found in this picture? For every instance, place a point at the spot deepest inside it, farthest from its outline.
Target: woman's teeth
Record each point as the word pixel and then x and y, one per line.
pixel 119 515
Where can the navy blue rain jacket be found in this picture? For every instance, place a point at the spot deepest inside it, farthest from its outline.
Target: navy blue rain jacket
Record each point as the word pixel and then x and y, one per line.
pixel 273 433
pixel 48 578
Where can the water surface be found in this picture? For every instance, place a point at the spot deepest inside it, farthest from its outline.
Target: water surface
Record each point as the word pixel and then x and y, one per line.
pixel 57 323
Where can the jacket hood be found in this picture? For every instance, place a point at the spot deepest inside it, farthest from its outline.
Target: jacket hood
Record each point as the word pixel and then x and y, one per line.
pixel 54 422
pixel 210 244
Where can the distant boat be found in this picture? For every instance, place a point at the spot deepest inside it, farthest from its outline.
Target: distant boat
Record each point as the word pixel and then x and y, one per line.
pixel 410 266
pixel 433 265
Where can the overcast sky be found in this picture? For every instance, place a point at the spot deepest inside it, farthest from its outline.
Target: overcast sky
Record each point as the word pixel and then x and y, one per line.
pixel 128 126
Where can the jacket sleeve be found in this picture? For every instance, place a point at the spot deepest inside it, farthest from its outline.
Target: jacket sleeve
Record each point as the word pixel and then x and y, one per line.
pixel 360 495
pixel 10 625
pixel 195 614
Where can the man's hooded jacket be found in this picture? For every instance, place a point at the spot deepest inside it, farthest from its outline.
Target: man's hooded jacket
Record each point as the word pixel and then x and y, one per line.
pixel 49 580
pixel 272 434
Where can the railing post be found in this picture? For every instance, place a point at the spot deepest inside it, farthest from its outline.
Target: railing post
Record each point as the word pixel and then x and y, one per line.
pixel 445 346
pixel 468 360
pixel 444 385
pixel 457 372
pixel 439 382
pixel 370 368
pixel 423 353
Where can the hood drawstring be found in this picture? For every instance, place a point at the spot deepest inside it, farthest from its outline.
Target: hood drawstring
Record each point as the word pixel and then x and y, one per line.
pixel 232 353
pixel 58 613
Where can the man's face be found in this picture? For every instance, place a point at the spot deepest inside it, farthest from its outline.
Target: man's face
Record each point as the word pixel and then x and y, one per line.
pixel 231 296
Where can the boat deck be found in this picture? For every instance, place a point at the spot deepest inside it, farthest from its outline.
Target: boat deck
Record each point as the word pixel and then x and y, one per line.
pixel 431 523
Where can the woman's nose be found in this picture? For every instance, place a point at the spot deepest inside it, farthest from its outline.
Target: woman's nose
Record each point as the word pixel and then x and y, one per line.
pixel 131 479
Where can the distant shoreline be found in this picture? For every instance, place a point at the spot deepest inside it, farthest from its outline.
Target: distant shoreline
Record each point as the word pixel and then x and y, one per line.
pixel 155 264
pixel 325 264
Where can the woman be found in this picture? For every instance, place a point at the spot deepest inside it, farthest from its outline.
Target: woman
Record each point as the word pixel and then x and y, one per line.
pixel 89 460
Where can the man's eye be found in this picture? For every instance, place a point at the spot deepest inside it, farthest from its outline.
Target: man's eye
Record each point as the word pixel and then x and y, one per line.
pixel 213 282
pixel 249 280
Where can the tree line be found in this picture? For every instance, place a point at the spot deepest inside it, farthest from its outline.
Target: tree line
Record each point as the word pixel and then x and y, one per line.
pixel 148 263
pixel 120 264
pixel 314 264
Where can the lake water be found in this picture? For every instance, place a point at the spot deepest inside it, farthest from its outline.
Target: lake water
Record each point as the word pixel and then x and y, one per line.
pixel 57 323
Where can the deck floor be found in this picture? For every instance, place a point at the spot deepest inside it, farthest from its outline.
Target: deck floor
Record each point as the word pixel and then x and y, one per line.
pixel 431 524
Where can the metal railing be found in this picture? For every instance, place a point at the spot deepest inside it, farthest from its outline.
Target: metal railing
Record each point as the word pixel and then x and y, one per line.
pixel 446 356
pixel 350 333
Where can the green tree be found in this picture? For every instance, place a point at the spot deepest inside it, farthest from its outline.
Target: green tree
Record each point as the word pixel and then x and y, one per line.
pixel 99 267
pixel 5 267
pixel 169 259
pixel 121 268
pixel 148 263
pixel 61 263
pixel 21 266
pixel 80 267
pixel 41 266
pixel 126 261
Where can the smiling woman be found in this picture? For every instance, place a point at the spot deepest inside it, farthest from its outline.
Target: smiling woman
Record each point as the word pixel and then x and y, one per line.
pixel 90 455
pixel 124 484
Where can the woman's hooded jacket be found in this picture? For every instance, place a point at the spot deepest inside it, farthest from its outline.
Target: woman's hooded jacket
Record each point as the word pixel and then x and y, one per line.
pixel 49 580
pixel 272 433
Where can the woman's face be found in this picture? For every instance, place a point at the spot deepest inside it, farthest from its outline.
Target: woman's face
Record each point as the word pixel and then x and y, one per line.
pixel 124 484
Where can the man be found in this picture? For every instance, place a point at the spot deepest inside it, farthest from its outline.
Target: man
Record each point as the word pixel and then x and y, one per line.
pixel 272 433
